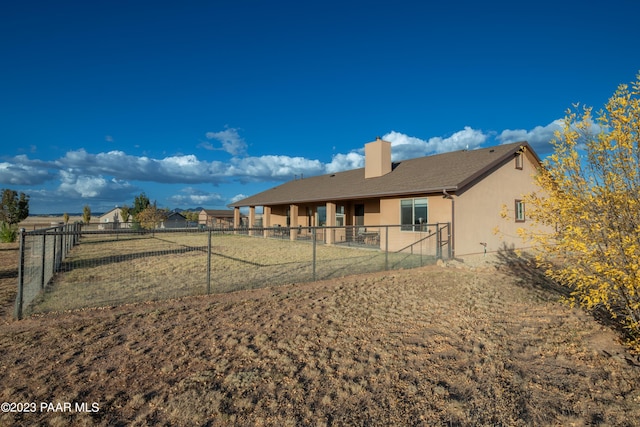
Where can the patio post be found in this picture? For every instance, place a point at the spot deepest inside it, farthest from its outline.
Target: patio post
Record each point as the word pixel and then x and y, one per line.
pixel 252 219
pixel 293 222
pixel 331 222
pixel 266 220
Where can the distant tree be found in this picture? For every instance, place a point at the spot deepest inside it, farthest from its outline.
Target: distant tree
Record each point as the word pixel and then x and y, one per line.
pixel 590 204
pixel 140 203
pixel 65 218
pixel 191 216
pixel 86 214
pixel 126 213
pixel 151 217
pixel 15 207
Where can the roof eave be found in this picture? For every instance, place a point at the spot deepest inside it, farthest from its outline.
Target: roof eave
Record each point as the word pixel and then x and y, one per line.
pixel 431 190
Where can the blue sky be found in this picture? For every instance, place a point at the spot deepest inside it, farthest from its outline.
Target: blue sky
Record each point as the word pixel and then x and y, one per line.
pixel 201 103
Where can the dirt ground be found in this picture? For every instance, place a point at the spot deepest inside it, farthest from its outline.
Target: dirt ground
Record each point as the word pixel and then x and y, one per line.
pixel 430 346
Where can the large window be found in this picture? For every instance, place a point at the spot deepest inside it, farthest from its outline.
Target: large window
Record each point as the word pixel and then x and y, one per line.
pixel 321 212
pixel 413 213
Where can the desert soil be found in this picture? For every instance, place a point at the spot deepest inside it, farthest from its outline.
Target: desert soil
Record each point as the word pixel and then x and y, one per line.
pixel 429 346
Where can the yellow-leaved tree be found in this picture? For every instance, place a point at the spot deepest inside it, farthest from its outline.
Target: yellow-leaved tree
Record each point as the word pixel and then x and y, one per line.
pixel 590 208
pixel 151 217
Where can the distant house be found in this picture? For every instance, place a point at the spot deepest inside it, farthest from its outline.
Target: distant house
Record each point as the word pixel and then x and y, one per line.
pixel 217 218
pixel 174 220
pixel 111 220
pixel 466 189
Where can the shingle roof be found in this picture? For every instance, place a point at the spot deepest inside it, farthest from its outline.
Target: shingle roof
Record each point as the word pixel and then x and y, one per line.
pixel 219 213
pixel 451 171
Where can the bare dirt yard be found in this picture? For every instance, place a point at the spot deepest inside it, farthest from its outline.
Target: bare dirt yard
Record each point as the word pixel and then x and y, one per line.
pixel 429 346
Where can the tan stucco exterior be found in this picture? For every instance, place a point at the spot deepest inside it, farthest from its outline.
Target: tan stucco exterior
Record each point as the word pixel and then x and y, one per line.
pixel 477 210
pixel 216 218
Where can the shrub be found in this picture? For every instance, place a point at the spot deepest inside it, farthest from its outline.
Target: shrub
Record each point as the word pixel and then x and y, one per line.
pixel 591 205
pixel 8 233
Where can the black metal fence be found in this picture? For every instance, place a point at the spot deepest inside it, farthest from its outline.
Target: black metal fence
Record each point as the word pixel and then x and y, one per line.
pixel 75 266
pixel 40 256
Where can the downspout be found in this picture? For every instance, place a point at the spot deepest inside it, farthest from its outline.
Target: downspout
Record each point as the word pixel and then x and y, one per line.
pixel 453 213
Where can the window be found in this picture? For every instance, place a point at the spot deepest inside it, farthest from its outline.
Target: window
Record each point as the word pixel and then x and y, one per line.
pixel 519 161
pixel 359 214
pixel 519 211
pixel 321 216
pixel 413 213
pixel 340 216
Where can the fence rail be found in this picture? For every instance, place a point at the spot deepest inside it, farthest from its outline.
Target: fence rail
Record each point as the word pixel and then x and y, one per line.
pixel 74 266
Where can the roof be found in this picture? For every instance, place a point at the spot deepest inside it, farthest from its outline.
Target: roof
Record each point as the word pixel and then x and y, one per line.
pixel 175 214
pixel 448 171
pixel 110 211
pixel 219 213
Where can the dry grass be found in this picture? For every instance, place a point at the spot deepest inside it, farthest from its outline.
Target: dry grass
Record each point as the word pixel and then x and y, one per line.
pixel 43 221
pixel 429 346
pixel 104 271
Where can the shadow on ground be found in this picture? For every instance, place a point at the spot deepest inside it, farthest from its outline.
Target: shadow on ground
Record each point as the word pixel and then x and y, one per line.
pixel 523 265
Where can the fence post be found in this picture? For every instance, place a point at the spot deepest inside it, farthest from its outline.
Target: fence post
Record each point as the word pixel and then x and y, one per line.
pixel 19 298
pixel 313 236
pixel 438 242
pixel 43 260
pixel 78 230
pixel 449 247
pixel 209 263
pixel 386 248
pixel 61 253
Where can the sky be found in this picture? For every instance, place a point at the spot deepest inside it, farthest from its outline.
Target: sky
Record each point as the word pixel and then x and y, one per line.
pixel 202 103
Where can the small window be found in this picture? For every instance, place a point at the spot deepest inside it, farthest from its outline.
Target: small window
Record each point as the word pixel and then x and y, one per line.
pixel 519 161
pixel 519 211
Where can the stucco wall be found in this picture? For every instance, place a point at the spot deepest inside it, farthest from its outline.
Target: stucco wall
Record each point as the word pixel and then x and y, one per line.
pixel 438 211
pixel 477 210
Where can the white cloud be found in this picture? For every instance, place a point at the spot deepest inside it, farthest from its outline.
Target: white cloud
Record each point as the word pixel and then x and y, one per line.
pixel 408 147
pixel 238 197
pixel 231 142
pixel 267 168
pixel 193 197
pixel 343 162
pixel 21 172
pixel 538 137
pixel 75 185
pixel 172 169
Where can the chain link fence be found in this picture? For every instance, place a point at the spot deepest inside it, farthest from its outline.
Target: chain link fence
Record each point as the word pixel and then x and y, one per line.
pixel 71 267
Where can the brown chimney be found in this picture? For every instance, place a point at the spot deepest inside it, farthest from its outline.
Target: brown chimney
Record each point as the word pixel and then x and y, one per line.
pixel 377 158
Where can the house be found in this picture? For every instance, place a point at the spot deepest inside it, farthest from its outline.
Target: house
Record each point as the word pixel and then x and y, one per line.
pixel 217 218
pixel 466 189
pixel 110 220
pixel 174 220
